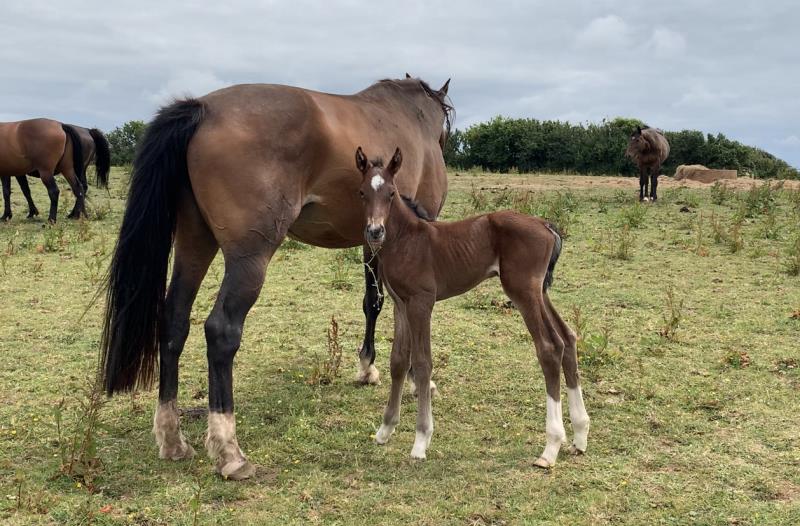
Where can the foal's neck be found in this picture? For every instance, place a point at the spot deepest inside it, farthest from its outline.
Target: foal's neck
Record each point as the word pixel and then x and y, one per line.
pixel 401 221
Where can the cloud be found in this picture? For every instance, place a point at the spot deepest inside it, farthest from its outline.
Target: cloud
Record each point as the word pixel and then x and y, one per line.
pixel 667 43
pixel 187 83
pixel 792 141
pixel 605 32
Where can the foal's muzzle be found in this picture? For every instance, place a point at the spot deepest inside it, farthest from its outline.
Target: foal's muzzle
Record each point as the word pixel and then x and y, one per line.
pixel 375 234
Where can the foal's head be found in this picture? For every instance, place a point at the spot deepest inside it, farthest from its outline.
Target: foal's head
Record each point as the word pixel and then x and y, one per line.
pixel 377 192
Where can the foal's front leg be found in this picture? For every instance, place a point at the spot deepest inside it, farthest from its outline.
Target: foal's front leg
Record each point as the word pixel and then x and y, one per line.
pixel 399 362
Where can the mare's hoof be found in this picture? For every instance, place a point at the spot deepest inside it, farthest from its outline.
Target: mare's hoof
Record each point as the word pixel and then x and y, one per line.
pixel 238 470
pixel 6 218
pixel 370 376
pixel 180 451
pixel 541 462
pixel 32 214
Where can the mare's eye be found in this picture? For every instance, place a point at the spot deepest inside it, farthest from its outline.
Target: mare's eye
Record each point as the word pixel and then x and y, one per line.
pixel 361 193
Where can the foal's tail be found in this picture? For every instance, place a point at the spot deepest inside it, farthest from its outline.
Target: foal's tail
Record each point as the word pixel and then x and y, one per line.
pixel 102 160
pixel 77 155
pixel 136 282
pixel 548 278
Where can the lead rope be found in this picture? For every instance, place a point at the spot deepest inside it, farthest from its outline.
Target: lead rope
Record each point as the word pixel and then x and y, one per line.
pixel 368 266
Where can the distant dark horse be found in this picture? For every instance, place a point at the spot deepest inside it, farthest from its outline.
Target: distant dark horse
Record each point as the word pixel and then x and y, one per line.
pixel 238 170
pixel 87 144
pixel 648 148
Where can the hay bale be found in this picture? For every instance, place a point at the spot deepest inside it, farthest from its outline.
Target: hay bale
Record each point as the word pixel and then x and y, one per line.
pixel 699 173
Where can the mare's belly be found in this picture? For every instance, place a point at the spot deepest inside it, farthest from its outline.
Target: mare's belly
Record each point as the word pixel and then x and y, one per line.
pixel 325 227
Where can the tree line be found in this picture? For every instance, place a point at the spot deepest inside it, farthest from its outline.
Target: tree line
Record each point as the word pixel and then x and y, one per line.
pixel 530 145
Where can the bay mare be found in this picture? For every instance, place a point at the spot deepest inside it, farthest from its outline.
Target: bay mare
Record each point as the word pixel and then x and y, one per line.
pixel 237 170
pixel 648 148
pixel 424 262
pixel 44 148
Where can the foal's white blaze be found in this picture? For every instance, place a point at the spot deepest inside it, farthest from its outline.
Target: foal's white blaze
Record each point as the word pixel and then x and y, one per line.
pixel 554 430
pixel 376 182
pixel 579 418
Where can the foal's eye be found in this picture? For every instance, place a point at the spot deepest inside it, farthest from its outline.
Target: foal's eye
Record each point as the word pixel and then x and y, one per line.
pixel 391 194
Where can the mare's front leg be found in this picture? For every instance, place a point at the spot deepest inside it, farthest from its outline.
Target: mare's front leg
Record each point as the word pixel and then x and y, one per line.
pixel 373 303
pixel 642 183
pixel 6 181
pixel 399 362
pixel 26 191
pixel 654 183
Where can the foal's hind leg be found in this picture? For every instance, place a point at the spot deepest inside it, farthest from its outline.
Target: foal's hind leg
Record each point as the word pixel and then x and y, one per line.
pixel 549 350
pixel 373 303
pixel 577 411
pixel 195 248
pixel 26 191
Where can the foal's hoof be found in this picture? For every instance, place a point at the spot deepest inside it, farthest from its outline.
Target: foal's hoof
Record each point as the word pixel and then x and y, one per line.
pixel 573 450
pixel 541 462
pixel 180 451
pixel 237 470
pixel 383 434
pixel 368 376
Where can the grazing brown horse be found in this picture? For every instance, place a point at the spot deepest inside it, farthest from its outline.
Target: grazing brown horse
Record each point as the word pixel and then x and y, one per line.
pixel 648 148
pixel 238 170
pixel 424 262
pixel 44 148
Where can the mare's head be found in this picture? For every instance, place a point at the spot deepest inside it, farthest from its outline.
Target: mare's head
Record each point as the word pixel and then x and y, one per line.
pixel 377 193
pixel 637 144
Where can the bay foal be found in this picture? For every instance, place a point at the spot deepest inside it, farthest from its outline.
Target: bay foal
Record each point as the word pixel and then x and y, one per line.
pixel 423 262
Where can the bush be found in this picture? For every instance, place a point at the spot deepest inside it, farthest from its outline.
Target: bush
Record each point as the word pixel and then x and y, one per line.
pixel 123 141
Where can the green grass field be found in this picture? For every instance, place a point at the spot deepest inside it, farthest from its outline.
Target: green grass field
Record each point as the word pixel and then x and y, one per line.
pixel 693 405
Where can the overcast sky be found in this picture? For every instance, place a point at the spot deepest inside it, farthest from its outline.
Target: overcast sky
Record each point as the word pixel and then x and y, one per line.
pixel 714 65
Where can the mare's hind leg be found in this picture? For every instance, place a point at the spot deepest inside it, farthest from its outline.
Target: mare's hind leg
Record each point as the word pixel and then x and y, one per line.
pixel 49 181
pixel 654 183
pixel 77 190
pixel 577 411
pixel 373 303
pixel 245 265
pixel 195 248
pixel 528 297
pixel 26 191
pixel 6 181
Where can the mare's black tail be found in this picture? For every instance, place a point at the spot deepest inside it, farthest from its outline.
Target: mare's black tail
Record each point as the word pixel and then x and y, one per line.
pixel 137 278
pixel 102 161
pixel 77 155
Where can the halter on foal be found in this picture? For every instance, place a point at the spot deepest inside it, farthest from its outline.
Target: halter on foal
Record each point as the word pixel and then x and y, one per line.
pixel 424 262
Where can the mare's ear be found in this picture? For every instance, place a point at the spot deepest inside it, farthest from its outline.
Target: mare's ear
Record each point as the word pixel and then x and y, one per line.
pixel 443 89
pixel 408 76
pixel 394 164
pixel 638 130
pixel 361 160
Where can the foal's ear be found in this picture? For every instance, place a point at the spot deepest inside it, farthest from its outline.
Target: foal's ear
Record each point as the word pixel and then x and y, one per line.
pixel 443 89
pixel 394 164
pixel 361 160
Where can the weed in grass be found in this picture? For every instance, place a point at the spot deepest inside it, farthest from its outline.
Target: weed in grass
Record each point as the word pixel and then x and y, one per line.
pixel 758 200
pixel 593 349
pixel 478 199
pixel 326 372
pixel 54 239
pixel 353 255
pixel 720 193
pixel 558 208
pixel 699 248
pixel 100 211
pixel 736 359
pixel 84 231
pixel 672 316
pixel 79 451
pixel 620 243
pixel 792 261
pixel 633 216
pixel 339 278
